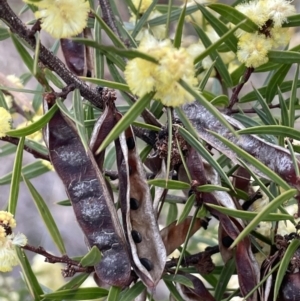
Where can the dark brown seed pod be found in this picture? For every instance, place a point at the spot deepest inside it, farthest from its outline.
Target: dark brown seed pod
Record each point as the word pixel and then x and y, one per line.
pixel 130 143
pixel 290 288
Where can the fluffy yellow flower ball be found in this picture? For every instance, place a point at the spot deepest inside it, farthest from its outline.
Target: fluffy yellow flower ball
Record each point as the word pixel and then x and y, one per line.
pixel 141 5
pixel 5 122
pixel 173 64
pixel 62 18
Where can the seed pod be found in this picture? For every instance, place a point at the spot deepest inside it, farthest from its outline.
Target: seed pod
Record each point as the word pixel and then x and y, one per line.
pixel 149 255
pixel 91 201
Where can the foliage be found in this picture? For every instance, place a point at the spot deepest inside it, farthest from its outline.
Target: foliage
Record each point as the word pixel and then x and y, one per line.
pixel 195 162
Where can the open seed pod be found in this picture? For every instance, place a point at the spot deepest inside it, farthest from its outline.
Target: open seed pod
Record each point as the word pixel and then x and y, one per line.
pixel 146 246
pixel 90 198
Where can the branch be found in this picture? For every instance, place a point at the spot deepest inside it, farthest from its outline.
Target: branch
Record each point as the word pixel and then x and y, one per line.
pixel 47 57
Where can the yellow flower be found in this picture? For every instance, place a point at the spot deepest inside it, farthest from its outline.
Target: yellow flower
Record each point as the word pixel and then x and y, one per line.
pixel 15 80
pixel 141 5
pixel 253 49
pixel 48 165
pixel 173 64
pixel 62 18
pixel 8 255
pixel 280 36
pixel 279 10
pixel 8 241
pixel 5 122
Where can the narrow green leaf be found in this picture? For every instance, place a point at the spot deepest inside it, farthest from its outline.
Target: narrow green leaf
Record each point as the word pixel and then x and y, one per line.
pixel 284 263
pixel 29 277
pixel 133 292
pixel 220 28
pixel 92 257
pixel 99 58
pixel 294 159
pixel 142 21
pixel 172 214
pixel 169 184
pixel 247 215
pixel 26 58
pixel 7 149
pixel 4 33
pixel 283 109
pixel 276 130
pixel 36 53
pixel 66 112
pixel 170 135
pixel 146 126
pixel 220 66
pixel 221 100
pixel 179 28
pixel 114 293
pixel 77 294
pixel 126 120
pixel 117 42
pixel 46 216
pixel 293 97
pixel 79 116
pixel 256 163
pixel 206 77
pixel 179 279
pixel 191 140
pixel 35 126
pixel 284 87
pixel 15 179
pixel 272 206
pixel 173 290
pixel 276 80
pixel 292 21
pixel 187 209
pixel 106 83
pixel 52 77
pixel 3 103
pixel 211 188
pixel 75 282
pixel 226 273
pixel 284 56
pixel 234 16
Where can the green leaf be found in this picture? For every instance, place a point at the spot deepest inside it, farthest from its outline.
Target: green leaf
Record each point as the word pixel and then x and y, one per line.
pixel 172 213
pixel 31 170
pixel 99 58
pixel 35 126
pixel 292 21
pixel 284 87
pixel 187 209
pixel 169 184
pixel 126 120
pixel 133 292
pixel 272 206
pixel 265 108
pixel 51 76
pixel 173 290
pixel 211 188
pixel 7 149
pixel 106 83
pixel 276 80
pixel 79 116
pixel 253 161
pixel 284 263
pixel 234 16
pixel 247 215
pixel 179 279
pixel 220 28
pixel 114 293
pixel 284 56
pixel 283 110
pixel 146 126
pixel 29 276
pixel 4 33
pixel 179 29
pixel 220 66
pixel 221 100
pixel 15 179
pixel 276 130
pixel 46 216
pixel 25 56
pixel 293 97
pixel 226 274
pixel 92 257
pixel 75 282
pixel 77 294
pixel 192 141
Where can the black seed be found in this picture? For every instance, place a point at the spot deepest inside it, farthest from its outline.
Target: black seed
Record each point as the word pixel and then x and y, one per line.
pixel 134 204
pixel 227 241
pixel 130 143
pixel 89 73
pixel 99 89
pixel 136 236
pixel 146 263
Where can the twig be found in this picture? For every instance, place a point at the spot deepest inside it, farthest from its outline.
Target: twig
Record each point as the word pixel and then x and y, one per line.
pixel 235 95
pixel 35 153
pixel 249 111
pixel 47 57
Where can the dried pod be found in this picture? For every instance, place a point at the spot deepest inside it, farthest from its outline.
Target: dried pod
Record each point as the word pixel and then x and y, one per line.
pixel 290 288
pixel 149 255
pixel 91 201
